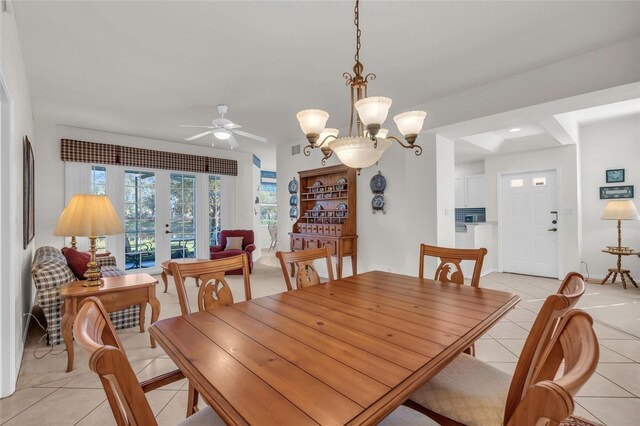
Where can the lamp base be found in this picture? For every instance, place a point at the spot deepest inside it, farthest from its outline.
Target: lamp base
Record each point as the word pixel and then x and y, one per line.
pixel 93 283
pixel 93 274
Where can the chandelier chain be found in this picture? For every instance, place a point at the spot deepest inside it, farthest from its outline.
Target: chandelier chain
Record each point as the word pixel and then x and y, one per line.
pixel 356 21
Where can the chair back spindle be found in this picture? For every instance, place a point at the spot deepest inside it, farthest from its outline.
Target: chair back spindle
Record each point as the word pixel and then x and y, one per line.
pixel 302 261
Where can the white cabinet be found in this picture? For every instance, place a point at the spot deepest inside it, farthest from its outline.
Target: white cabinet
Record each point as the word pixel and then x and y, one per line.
pixel 459 190
pixel 475 191
pixel 469 191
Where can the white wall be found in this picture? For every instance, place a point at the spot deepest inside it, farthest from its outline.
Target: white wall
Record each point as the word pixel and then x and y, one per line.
pixel 470 168
pixel 565 160
pixel 611 144
pixel 16 292
pixel 419 189
pixel 50 176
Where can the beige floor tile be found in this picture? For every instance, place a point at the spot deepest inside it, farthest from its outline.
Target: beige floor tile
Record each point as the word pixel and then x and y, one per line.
pixel 608 355
pixel 629 348
pixel 521 314
pixel 599 386
pixel 21 400
pixel 103 415
pixel 625 375
pixel 580 411
pixel 491 351
pixel 507 367
pixel 176 410
pixel 508 330
pixel 606 333
pixel 514 345
pixel 61 407
pixel 613 411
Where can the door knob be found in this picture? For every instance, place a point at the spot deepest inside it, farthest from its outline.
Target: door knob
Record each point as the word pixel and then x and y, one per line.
pixel 553 229
pixel 167 232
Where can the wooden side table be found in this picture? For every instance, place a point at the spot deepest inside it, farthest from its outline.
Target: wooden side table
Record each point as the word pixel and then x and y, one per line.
pixel 618 270
pixel 115 293
pixel 167 272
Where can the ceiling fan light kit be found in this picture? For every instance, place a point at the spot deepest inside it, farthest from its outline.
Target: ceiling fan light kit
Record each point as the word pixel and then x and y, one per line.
pixel 223 129
pixel 364 147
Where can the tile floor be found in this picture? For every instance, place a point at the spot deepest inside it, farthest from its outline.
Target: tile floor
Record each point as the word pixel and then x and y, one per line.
pixel 47 395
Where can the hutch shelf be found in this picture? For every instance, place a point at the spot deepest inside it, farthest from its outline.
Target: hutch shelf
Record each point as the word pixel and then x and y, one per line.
pixel 328 214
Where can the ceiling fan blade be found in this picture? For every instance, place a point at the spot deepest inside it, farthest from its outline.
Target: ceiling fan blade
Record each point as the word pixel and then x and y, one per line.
pixel 199 135
pixel 231 126
pixel 249 135
pixel 190 125
pixel 233 143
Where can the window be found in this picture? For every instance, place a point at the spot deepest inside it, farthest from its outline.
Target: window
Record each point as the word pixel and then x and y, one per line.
pixel 183 215
pixel 268 198
pixel 517 183
pixel 214 210
pixel 539 181
pixel 99 187
pixel 139 219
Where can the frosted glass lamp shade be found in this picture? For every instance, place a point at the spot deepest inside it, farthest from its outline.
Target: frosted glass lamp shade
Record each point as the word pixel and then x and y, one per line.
pixel 620 210
pixel 373 110
pixel 88 216
pixel 382 133
pixel 312 121
pixel 222 134
pixel 410 123
pixel 328 132
pixel 359 152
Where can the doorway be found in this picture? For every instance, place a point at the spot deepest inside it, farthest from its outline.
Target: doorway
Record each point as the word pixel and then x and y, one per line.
pixel 529 223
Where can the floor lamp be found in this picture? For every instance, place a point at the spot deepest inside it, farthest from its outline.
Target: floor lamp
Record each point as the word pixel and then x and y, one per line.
pixel 89 216
pixel 620 210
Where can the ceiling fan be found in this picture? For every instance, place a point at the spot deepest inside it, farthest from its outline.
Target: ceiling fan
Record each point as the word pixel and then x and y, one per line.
pixel 223 129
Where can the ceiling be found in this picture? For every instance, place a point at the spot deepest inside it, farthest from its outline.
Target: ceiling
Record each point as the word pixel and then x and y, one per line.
pixel 142 68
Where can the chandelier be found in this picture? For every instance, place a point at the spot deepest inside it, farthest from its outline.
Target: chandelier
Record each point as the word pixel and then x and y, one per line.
pixel 363 147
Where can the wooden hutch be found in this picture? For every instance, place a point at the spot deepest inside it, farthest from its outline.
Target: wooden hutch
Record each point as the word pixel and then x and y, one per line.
pixel 328 213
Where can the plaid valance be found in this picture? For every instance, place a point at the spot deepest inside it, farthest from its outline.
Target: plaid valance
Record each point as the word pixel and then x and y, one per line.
pixel 99 153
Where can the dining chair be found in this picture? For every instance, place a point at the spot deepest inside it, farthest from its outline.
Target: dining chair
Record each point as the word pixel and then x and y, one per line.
pixel 473 392
pixel 303 261
pixel 96 337
pixel 213 291
pixel 449 269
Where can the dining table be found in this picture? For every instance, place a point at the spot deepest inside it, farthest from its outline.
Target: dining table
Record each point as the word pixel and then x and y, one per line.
pixel 347 352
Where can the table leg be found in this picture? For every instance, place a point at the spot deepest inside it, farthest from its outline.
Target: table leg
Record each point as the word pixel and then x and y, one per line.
pixel 155 313
pixel 354 257
pixel 632 280
pixel 613 280
pixel 624 282
pixel 607 277
pixel 67 335
pixel 163 275
pixel 143 314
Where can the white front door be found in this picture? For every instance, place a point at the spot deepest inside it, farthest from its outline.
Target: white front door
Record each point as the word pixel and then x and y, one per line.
pixel 529 235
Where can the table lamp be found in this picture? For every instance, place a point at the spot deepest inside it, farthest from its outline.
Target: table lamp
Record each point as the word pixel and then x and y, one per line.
pixel 89 216
pixel 620 210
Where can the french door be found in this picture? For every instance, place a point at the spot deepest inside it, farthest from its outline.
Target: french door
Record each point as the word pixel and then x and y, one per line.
pixel 529 221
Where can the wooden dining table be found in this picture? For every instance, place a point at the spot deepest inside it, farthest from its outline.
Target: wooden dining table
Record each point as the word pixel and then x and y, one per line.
pixel 346 352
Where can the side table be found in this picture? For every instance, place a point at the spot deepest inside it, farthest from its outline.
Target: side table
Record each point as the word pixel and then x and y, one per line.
pixel 618 270
pixel 115 293
pixel 167 272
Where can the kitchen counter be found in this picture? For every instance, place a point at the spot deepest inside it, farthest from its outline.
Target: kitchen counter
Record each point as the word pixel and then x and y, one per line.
pixel 476 235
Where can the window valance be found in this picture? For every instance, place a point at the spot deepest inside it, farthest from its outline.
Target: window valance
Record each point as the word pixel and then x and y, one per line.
pixel 99 153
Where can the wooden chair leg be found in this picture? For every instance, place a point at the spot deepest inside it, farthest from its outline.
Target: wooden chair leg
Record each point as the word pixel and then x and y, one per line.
pixel 439 418
pixel 471 350
pixel 192 400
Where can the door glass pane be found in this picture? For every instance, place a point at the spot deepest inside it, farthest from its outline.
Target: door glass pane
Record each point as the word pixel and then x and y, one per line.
pixel 183 217
pixel 139 219
pixel 214 210
pixel 99 187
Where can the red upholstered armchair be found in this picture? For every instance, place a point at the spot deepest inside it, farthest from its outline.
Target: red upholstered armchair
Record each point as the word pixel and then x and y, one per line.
pixel 218 252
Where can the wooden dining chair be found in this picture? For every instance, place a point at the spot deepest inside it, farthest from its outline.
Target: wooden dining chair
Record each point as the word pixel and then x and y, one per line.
pixel 307 274
pixel 214 291
pixel 95 335
pixel 473 392
pixel 449 269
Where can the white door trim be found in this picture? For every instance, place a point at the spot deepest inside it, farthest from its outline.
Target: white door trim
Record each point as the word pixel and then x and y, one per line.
pixel 558 171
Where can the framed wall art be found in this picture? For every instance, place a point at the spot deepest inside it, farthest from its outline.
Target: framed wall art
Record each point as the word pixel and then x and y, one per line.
pixel 615 175
pixel 613 192
pixel 28 194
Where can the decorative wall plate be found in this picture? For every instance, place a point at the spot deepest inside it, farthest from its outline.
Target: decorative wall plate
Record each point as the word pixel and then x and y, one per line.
pixel 293 200
pixel 316 210
pixel 377 203
pixel 293 212
pixel 341 184
pixel 378 183
pixel 293 186
pixel 341 210
pixel 316 186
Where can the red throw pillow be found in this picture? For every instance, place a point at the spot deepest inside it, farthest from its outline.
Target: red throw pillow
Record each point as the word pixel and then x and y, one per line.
pixel 77 261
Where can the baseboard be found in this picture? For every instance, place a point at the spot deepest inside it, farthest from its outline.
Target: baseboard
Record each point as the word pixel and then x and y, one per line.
pixel 594 280
pixel 488 271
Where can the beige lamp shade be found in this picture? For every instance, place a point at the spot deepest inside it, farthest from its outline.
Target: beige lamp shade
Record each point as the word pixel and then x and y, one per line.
pixel 620 210
pixel 88 216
